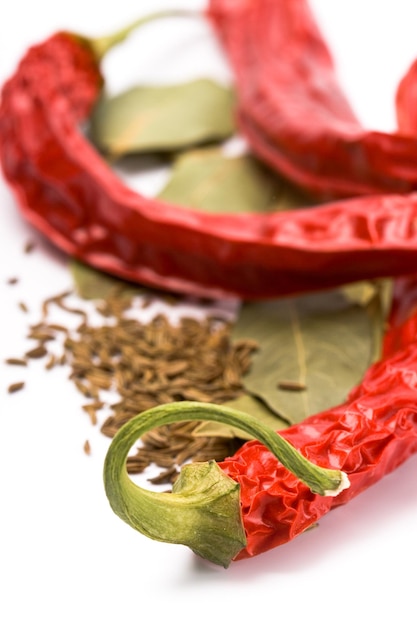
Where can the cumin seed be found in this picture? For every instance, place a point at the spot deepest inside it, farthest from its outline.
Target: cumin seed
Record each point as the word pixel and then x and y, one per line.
pixel 144 365
pixel 13 361
pixel 29 247
pixel 15 387
pixel 36 353
pixel 291 385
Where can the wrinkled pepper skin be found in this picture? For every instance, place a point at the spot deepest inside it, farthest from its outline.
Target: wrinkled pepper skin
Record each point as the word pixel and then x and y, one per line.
pixel 293 111
pixel 67 191
pixel 406 100
pixel 367 437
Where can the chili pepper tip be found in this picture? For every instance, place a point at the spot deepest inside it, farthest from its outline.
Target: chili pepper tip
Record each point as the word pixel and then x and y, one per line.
pixel 344 484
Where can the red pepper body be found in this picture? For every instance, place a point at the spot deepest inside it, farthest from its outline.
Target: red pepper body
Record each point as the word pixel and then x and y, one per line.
pixel 406 100
pixel 68 192
pixel 293 111
pixel 368 436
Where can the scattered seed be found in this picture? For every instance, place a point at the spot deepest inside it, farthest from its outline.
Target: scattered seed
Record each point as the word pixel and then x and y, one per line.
pixel 15 387
pixel 291 385
pixel 36 353
pixel 91 410
pixel 54 300
pixel 58 328
pixel 13 280
pixel 41 335
pixel 51 362
pixel 143 365
pixel 23 307
pixel 13 361
pixel 87 447
pixel 166 476
pixel 29 247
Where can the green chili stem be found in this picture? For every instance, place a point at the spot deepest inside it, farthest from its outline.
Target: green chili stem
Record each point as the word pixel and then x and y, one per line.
pixel 102 45
pixel 203 510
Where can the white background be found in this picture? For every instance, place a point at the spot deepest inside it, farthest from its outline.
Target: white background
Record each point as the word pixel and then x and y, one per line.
pixel 65 558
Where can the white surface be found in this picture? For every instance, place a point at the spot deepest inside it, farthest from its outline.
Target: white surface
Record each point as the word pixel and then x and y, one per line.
pixel 65 558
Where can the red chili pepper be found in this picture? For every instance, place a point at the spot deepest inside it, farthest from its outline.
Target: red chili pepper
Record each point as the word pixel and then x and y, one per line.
pixel 70 194
pixel 293 111
pixel 402 322
pixel 405 100
pixel 366 437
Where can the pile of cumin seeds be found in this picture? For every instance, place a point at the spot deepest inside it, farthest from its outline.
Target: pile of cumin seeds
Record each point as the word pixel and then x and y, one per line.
pixel 123 366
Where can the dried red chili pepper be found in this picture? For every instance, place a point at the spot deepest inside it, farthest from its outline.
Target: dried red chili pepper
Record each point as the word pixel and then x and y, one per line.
pixel 402 321
pixel 367 437
pixel 70 194
pixel 293 111
pixel 405 101
pixel 204 509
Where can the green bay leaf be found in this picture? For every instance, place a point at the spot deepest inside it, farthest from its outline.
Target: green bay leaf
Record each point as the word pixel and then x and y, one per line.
pixel 92 284
pixel 376 297
pixel 248 404
pixel 208 180
pixel 313 349
pixel 163 118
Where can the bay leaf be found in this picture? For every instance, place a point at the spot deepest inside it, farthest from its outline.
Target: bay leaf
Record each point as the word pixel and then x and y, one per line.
pixel 376 295
pixel 92 284
pixel 209 181
pixel 163 118
pixel 248 404
pixel 313 349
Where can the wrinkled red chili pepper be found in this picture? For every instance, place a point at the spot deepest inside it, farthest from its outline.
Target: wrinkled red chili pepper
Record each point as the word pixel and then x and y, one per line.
pixel 402 321
pixel 68 192
pixel 293 111
pixel 405 100
pixel 366 437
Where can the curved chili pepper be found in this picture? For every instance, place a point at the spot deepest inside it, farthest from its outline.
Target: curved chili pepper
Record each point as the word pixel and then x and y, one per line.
pixel 203 511
pixel 293 111
pixel 366 437
pixel 369 436
pixel 69 193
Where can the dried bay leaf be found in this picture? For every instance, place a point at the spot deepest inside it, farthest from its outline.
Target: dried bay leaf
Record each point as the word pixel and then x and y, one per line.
pixel 313 349
pixel 207 180
pixel 163 118
pixel 376 296
pixel 93 284
pixel 248 404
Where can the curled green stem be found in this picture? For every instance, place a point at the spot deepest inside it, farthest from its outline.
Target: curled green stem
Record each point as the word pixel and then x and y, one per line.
pixel 101 45
pixel 203 510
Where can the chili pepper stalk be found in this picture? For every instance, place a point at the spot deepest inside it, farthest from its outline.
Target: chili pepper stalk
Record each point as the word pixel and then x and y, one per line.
pixel 101 45
pixel 203 510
